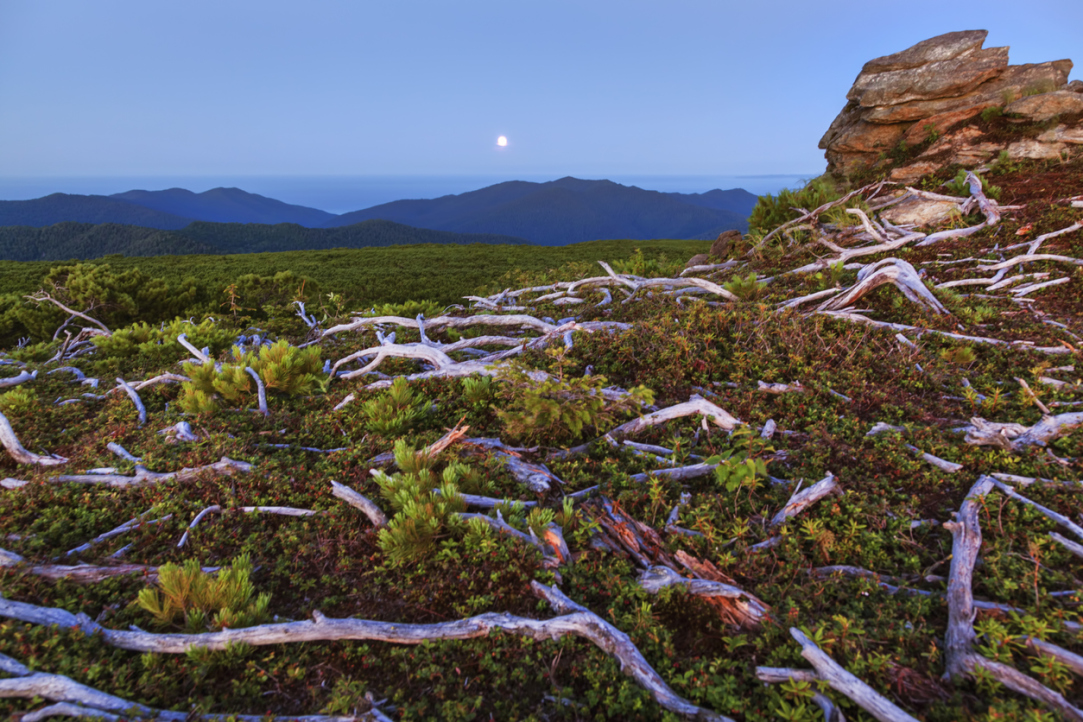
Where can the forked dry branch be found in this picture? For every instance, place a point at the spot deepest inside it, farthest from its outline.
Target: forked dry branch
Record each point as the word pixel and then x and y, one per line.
pixel 78 700
pixel 574 620
pixel 960 657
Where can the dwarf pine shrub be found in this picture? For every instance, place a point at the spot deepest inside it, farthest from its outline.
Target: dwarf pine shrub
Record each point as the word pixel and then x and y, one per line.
pixel 958 186
pixel 396 411
pixel 205 601
pixel 18 401
pixel 772 211
pixel 426 505
pixel 283 368
pixel 160 342
pixel 746 288
pixel 559 410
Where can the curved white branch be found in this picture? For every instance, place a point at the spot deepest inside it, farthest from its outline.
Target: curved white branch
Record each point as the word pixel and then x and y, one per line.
pixel 21 378
pixel 260 388
pixel 10 441
pixel 574 620
pixel 134 396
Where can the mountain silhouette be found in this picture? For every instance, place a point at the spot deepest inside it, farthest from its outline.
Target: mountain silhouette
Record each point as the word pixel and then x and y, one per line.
pixel 226 205
pixel 569 210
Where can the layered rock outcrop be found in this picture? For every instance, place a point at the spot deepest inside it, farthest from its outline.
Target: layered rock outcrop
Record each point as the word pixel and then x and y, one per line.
pixel 935 92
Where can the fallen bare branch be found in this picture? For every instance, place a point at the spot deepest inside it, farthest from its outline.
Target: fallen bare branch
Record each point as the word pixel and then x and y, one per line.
pixel 261 390
pixel 806 498
pixel 1055 516
pixel 574 620
pixel 1026 345
pixel 889 270
pixel 21 378
pixel 750 609
pixel 960 657
pixel 842 681
pixel 79 700
pixel 125 527
pixel 10 441
pixel 183 341
pixel 134 396
pixel 216 509
pixel 143 476
pixel 358 501
pixel 695 405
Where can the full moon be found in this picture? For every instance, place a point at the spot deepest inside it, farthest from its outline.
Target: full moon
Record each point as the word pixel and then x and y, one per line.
pixel 502 141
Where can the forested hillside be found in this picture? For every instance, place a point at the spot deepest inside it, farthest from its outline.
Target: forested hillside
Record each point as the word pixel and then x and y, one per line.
pixel 65 241
pixel 226 205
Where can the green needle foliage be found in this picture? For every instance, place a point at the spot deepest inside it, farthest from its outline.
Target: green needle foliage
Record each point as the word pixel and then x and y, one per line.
pixel 558 409
pixel 426 505
pixel 772 211
pixel 746 288
pixel 206 601
pixel 395 412
pixel 159 343
pixel 283 368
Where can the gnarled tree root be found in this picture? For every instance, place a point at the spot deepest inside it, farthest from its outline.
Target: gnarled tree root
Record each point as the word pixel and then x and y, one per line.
pixel 960 658
pixel 78 700
pixel 575 620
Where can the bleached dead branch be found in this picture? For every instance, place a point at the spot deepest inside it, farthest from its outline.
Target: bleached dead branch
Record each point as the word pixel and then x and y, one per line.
pixel 261 390
pixel 842 681
pixel 657 577
pixel 144 476
pixel 359 501
pixel 575 620
pixel 10 441
pixel 1016 437
pixel 21 378
pixel 889 270
pixel 960 658
pixel 806 498
pixel 216 509
pixel 813 215
pixel 696 404
pixel 1025 345
pixel 134 396
pixel 78 700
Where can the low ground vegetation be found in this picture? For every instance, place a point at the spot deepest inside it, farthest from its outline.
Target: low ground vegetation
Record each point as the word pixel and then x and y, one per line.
pixel 542 465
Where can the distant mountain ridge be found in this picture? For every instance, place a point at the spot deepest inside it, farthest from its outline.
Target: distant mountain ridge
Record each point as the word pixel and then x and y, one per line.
pixel 571 210
pixel 568 210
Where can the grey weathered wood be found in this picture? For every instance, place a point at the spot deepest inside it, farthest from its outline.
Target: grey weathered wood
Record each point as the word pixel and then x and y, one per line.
pixel 575 620
pixel 144 476
pixel 842 681
pixel 806 498
pixel 359 501
pixel 10 441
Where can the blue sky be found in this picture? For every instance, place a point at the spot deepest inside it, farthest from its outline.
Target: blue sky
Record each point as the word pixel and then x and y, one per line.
pixel 589 88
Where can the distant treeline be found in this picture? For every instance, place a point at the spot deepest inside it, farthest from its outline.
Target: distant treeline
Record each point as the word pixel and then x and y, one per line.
pixel 155 289
pixel 82 241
